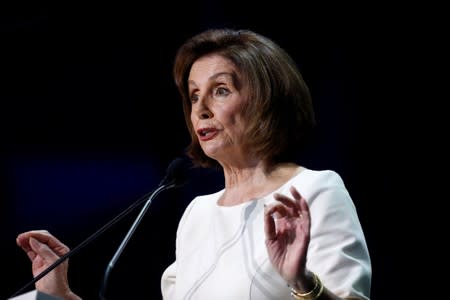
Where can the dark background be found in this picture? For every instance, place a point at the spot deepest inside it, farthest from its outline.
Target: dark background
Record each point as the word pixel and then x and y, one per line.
pixel 90 119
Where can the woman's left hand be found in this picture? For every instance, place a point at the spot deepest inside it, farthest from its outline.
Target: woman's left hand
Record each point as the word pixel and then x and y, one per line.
pixel 287 228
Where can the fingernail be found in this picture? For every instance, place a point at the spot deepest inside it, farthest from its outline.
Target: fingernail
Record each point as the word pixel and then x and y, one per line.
pixel 34 242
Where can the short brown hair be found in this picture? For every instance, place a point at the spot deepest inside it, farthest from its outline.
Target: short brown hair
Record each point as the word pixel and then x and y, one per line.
pixel 280 113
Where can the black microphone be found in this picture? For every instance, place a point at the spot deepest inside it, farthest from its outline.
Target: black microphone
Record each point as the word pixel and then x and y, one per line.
pixel 176 176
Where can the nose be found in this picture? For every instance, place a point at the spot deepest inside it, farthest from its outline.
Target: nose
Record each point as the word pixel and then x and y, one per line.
pixel 205 114
pixel 201 109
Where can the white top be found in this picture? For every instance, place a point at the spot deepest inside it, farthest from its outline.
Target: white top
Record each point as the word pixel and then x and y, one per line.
pixel 221 251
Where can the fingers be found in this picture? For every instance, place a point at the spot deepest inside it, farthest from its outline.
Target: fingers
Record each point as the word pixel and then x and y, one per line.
pixel 23 239
pixel 40 240
pixel 287 208
pixel 269 224
pixel 285 200
pixel 297 206
pixel 304 208
pixel 277 211
pixel 295 193
pixel 272 214
pixel 42 250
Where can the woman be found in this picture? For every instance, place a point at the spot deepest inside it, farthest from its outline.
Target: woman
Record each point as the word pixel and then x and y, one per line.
pixel 277 230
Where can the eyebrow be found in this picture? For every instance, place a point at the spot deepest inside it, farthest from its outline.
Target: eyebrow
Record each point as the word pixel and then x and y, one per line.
pixel 213 77
pixel 222 73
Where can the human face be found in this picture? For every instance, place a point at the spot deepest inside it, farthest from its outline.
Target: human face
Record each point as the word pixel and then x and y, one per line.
pixel 217 99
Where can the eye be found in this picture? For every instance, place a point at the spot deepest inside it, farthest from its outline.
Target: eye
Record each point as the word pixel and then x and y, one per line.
pixel 194 98
pixel 221 91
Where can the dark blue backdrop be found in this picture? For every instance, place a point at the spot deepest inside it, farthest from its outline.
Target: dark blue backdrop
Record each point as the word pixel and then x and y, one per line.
pixel 90 118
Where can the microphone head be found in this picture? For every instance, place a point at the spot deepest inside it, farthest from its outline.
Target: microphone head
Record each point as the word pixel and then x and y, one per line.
pixel 177 172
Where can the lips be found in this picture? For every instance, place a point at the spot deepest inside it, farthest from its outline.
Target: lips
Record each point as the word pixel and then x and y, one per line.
pixel 206 134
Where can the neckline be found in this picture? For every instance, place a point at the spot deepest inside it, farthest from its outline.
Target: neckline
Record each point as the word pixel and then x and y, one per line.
pixel 264 197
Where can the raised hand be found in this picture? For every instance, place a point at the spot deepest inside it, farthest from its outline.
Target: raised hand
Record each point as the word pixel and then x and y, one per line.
pixel 287 228
pixel 43 249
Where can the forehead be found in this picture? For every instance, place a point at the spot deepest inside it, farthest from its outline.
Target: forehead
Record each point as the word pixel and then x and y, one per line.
pixel 210 65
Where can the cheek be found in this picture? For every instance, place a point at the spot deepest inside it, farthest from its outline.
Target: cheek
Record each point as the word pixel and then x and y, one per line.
pixel 233 117
pixel 232 113
pixel 236 126
pixel 193 119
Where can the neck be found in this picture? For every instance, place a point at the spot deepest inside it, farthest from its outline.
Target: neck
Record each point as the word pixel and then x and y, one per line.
pixel 246 184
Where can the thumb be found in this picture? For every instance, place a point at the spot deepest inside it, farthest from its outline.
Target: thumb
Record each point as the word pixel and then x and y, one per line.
pixel 42 250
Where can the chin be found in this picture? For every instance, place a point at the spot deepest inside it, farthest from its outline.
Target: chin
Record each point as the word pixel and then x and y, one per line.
pixel 212 152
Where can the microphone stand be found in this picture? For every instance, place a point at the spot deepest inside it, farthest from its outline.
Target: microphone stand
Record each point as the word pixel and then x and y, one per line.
pixel 147 197
pixel 127 237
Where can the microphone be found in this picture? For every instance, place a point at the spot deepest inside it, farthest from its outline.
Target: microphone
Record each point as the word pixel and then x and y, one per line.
pixel 176 172
pixel 176 176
